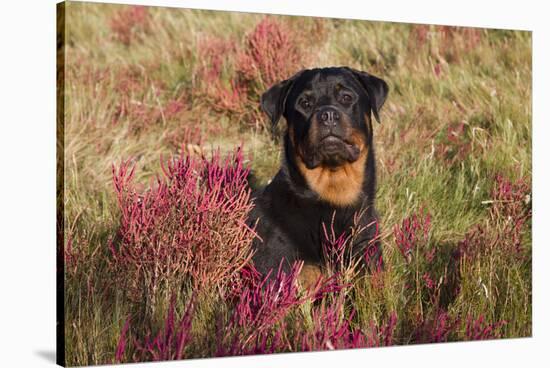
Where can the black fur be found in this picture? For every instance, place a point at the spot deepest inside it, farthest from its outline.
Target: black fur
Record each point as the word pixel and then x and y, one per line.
pixel 288 212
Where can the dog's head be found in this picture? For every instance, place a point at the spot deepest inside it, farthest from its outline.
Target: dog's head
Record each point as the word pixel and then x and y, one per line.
pixel 328 113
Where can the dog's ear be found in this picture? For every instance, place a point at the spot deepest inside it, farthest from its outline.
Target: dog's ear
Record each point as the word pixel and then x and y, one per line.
pixel 273 100
pixel 377 90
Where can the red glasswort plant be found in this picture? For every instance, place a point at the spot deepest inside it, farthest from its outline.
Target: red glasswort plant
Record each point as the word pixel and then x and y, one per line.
pixel 381 335
pixel 144 102
pixel 412 234
pixel 446 44
pixel 430 275
pixel 214 54
pixel 128 22
pixel 438 327
pixel 455 143
pixel 510 213
pixel 71 257
pixel 247 278
pixel 188 136
pixel 338 253
pixel 334 249
pixel 231 77
pixel 188 227
pixel 270 55
pixel 331 330
pixel 255 324
pixel 258 324
pixel 373 257
pixel 478 329
pixel 511 205
pixel 168 343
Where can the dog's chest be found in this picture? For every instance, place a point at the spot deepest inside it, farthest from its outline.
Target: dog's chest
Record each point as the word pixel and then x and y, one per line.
pixel 308 226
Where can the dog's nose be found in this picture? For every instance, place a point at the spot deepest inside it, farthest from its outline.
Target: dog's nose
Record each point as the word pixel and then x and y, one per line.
pixel 328 116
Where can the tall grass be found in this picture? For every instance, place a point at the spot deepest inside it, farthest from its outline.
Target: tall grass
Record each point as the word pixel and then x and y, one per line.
pixel 156 264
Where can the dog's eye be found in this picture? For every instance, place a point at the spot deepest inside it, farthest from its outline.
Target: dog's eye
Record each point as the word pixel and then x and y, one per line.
pixel 305 104
pixel 346 98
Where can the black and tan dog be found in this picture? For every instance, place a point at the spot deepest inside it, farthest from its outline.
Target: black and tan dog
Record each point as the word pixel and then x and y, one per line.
pixel 328 167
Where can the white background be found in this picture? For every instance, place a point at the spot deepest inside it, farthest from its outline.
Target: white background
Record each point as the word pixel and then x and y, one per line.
pixel 27 181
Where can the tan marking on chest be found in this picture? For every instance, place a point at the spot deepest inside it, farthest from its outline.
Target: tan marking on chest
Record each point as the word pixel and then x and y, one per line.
pixel 339 186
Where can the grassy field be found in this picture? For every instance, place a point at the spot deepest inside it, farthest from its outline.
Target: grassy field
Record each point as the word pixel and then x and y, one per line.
pixel 454 195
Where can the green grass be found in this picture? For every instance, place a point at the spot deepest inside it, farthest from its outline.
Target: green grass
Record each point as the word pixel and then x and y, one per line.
pixel 485 86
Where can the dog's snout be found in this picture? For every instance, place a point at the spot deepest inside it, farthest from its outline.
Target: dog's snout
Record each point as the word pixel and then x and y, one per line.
pixel 328 116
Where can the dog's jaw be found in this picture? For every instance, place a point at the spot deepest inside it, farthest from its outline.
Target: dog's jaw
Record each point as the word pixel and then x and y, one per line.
pixel 339 186
pixel 331 159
